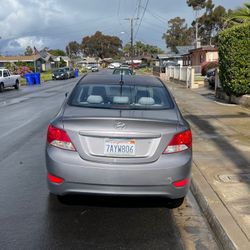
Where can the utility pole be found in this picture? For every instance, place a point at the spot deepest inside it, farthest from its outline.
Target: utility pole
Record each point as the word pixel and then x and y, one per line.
pixel 197 39
pixel 132 39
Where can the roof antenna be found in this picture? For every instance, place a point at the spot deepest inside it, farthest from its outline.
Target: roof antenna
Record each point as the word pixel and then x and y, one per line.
pixel 121 83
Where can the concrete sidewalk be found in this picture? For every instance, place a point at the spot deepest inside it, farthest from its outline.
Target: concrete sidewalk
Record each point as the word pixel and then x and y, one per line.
pixel 221 162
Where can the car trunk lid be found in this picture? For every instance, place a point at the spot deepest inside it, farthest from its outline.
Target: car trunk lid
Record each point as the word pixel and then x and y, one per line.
pixel 120 136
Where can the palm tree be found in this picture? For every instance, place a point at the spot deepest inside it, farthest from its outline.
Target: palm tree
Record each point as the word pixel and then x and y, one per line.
pixel 240 15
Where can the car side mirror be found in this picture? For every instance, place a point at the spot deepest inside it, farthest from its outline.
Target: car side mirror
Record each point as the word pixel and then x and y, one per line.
pixel 66 94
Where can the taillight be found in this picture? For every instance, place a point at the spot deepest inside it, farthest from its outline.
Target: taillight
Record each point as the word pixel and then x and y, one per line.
pixel 179 142
pixel 58 137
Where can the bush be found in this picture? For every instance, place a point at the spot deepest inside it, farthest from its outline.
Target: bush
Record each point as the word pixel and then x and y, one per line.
pixel 234 60
pixel 208 65
pixel 23 70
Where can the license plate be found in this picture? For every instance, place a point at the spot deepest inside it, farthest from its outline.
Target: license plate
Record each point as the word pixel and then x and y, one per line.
pixel 119 147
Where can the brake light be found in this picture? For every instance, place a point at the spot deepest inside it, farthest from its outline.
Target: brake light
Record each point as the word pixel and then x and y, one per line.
pixel 181 183
pixel 179 142
pixel 58 137
pixel 55 179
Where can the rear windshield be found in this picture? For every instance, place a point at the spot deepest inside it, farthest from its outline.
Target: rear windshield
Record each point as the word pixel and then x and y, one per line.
pixel 59 71
pixel 121 97
pixel 122 72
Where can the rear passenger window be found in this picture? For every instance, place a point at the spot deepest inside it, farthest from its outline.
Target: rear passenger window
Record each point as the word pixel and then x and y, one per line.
pixel 121 97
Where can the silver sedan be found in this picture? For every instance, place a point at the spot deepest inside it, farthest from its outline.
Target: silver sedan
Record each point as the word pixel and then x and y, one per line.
pixel 119 135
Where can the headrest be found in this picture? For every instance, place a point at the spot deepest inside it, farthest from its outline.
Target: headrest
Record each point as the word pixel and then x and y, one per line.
pixel 146 101
pixel 95 99
pixel 120 99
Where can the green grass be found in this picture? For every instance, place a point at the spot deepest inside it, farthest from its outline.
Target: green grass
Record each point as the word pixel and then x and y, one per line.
pixel 199 78
pixel 142 71
pixel 22 81
pixel 45 76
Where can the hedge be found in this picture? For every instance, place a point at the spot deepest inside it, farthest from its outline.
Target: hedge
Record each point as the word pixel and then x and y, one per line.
pixel 234 60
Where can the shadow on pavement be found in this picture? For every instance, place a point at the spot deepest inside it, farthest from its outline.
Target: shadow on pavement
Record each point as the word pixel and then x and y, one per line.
pixel 225 147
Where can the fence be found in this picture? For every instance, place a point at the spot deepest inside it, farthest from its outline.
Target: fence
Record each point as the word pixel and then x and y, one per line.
pixel 184 74
pixel 197 69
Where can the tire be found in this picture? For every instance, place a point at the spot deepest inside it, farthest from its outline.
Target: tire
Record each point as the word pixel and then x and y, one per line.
pixel 1 87
pixel 16 86
pixel 175 203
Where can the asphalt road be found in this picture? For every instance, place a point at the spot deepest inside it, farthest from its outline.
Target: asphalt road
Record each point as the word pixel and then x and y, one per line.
pixel 31 218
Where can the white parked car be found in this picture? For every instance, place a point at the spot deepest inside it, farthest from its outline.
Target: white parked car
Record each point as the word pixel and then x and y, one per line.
pixel 114 65
pixel 8 80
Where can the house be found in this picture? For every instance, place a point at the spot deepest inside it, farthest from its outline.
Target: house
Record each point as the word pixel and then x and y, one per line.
pixel 106 61
pixel 59 59
pixel 173 57
pixel 34 61
pixel 195 57
pixel 89 61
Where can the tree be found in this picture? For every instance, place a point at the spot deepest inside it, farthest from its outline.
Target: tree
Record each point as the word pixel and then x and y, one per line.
pixel 240 15
pixel 210 23
pixel 57 52
pixel 73 49
pixel 234 63
pixel 196 4
pixel 28 51
pixel 178 33
pixel 142 49
pixel 100 45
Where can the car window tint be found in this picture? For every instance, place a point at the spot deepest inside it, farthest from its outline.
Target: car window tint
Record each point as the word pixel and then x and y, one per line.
pixel 1 74
pixel 122 71
pixel 121 97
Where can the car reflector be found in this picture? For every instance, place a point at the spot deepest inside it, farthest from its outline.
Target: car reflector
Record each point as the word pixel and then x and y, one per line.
pixel 55 179
pixel 181 183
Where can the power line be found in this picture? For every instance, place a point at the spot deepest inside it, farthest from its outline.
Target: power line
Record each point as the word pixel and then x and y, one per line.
pixel 138 11
pixel 145 8
pixel 118 9
pixel 156 16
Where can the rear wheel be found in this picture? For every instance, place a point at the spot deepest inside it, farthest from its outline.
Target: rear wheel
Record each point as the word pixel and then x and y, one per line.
pixel 1 87
pixel 16 85
pixel 175 203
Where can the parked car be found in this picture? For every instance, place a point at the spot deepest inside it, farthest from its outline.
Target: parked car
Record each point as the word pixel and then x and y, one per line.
pixel 94 68
pixel 210 77
pixel 114 65
pixel 70 71
pixel 124 66
pixel 60 74
pixel 123 71
pixel 8 80
pixel 89 66
pixel 118 137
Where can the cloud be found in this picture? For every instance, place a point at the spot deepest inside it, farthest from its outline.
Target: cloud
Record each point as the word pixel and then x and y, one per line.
pixel 54 23
pixel 32 41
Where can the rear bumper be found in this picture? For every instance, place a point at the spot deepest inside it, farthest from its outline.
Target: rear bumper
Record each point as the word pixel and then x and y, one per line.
pixel 152 179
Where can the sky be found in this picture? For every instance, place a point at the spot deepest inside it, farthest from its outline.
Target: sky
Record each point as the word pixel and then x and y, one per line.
pixel 54 23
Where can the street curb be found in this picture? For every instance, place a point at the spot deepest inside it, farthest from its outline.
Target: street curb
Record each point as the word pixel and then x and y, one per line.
pixel 225 228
